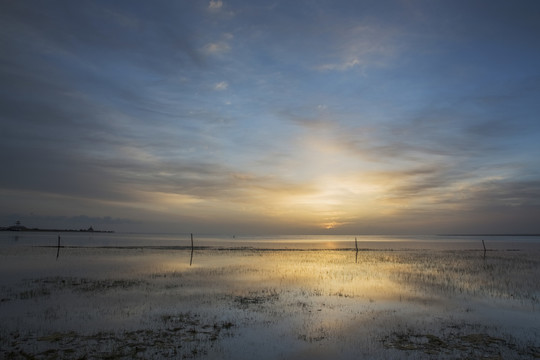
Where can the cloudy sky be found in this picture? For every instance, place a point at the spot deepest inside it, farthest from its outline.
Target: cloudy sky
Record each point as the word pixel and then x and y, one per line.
pixel 265 117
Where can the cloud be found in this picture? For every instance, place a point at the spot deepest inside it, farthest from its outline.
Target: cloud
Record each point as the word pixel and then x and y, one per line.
pixel 221 86
pixel 216 48
pixel 505 193
pixel 348 64
pixel 219 46
pixel 361 46
pixel 423 162
pixel 102 34
pixel 215 5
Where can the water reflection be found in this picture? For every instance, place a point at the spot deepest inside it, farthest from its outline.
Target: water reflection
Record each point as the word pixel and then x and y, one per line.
pixel 339 242
pixel 299 298
pixel 58 248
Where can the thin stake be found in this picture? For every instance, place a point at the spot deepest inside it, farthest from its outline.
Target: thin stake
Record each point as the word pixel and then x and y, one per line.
pixel 58 248
pixel 356 245
pixel 484 245
pixel 191 258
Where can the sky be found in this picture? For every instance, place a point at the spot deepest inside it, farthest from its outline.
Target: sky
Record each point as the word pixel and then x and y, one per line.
pixel 271 117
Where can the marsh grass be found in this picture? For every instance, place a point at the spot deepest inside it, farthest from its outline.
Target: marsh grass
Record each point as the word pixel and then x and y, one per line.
pixel 505 275
pixel 456 345
pixel 273 304
pixel 184 336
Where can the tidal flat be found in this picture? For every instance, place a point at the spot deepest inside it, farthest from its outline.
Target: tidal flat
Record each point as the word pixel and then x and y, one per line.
pixel 243 303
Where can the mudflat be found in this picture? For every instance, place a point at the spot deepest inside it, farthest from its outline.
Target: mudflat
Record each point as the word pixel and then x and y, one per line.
pixel 269 304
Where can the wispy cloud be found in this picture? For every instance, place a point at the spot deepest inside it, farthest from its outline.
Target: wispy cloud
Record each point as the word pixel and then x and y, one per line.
pixel 348 64
pixel 221 86
pixel 216 48
pixel 361 47
pixel 215 5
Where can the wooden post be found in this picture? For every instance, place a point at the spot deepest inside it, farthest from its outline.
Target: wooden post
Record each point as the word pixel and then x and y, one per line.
pixel 484 245
pixel 191 258
pixel 58 248
pixel 356 245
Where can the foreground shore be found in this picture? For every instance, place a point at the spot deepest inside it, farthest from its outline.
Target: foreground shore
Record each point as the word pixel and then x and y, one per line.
pixel 243 304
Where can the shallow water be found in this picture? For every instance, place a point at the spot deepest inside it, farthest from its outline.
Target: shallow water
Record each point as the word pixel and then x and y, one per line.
pixel 383 242
pixel 398 299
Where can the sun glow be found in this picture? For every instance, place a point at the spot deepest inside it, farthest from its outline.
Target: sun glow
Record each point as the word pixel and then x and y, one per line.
pixel 330 225
pixel 334 201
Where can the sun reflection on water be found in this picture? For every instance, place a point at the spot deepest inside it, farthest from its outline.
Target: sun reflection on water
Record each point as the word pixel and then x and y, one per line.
pixel 295 297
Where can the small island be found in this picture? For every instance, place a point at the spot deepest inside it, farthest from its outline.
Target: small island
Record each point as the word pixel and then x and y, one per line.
pixel 19 227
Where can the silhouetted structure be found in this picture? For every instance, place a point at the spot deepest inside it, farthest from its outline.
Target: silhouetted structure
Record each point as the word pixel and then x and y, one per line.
pixel 17 227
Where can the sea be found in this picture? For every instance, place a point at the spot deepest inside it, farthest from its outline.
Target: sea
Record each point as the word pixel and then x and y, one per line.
pixel 268 242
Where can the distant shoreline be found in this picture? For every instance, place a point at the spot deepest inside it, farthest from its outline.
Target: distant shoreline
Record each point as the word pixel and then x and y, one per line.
pixel 57 230
pixel 488 235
